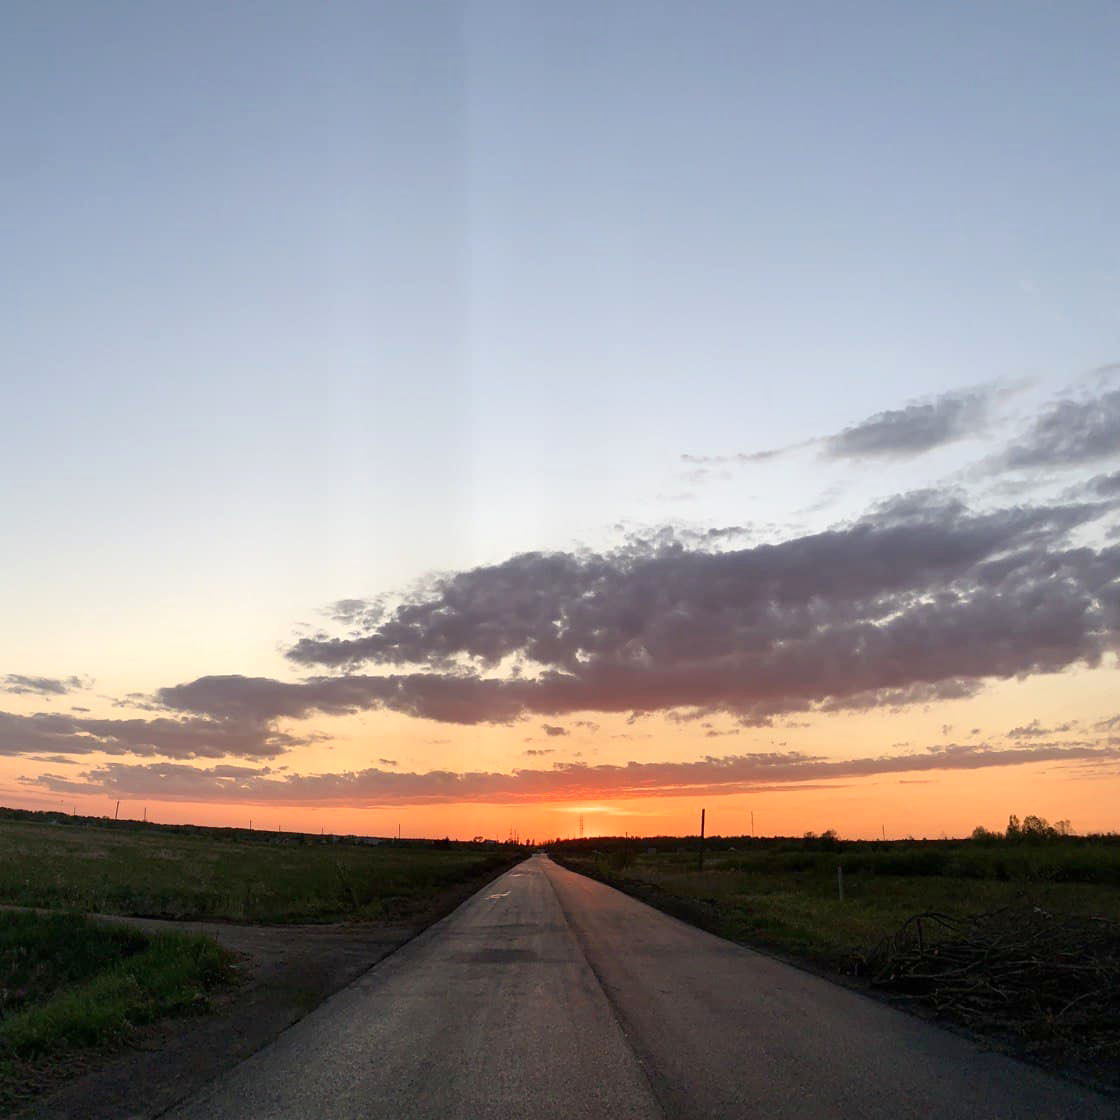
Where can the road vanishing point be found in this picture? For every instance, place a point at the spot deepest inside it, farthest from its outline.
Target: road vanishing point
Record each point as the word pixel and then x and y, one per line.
pixel 549 996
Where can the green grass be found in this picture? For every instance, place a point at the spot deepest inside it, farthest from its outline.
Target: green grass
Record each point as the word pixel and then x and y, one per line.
pixel 225 874
pixel 71 985
pixel 783 894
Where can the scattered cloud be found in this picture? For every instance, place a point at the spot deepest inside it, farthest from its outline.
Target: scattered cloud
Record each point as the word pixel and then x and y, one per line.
pixel 701 461
pixel 920 427
pixel 1034 730
pixel 18 684
pixel 900 433
pixel 1070 433
pixel 551 730
pixel 348 610
pixel 537 752
pixel 387 762
pixel 189 737
pixel 570 781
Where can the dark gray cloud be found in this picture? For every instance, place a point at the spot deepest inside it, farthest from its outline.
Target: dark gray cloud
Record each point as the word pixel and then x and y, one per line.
pixel 552 730
pixel 20 685
pixel 189 737
pixel 538 752
pixel 920 601
pixel 387 762
pixel 905 432
pixel 1070 433
pixel 571 781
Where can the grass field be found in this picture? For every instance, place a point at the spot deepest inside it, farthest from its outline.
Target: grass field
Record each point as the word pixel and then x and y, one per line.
pixel 70 986
pixel 784 894
pixel 160 871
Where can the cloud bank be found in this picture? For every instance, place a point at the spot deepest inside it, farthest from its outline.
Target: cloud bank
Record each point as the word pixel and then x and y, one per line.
pixel 572 781
pixel 921 600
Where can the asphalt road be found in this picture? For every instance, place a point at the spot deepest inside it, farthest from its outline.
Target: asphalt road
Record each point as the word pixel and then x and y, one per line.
pixel 548 995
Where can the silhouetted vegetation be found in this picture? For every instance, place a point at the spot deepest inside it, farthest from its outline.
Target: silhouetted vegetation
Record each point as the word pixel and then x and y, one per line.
pixel 1029 852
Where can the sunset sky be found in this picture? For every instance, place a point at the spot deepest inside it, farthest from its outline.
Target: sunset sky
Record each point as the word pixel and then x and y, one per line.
pixel 473 416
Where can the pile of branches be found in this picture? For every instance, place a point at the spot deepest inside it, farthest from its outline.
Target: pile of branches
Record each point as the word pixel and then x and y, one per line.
pixel 1051 981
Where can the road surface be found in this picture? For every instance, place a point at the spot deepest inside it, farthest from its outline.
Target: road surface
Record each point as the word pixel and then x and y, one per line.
pixel 548 996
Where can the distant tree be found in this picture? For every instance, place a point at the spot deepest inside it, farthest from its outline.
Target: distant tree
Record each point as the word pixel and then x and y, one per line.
pixel 1038 828
pixel 1035 828
pixel 981 835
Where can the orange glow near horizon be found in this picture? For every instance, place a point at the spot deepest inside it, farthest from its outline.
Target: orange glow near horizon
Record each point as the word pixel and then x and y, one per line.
pixel 948 804
pixel 921 802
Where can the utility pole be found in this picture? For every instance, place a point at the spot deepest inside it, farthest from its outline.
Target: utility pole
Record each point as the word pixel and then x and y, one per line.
pixel 145 814
pixel 117 813
pixel 703 813
pixel 581 826
pixel 752 822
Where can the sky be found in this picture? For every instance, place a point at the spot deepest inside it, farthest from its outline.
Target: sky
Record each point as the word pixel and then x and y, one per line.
pixel 483 416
